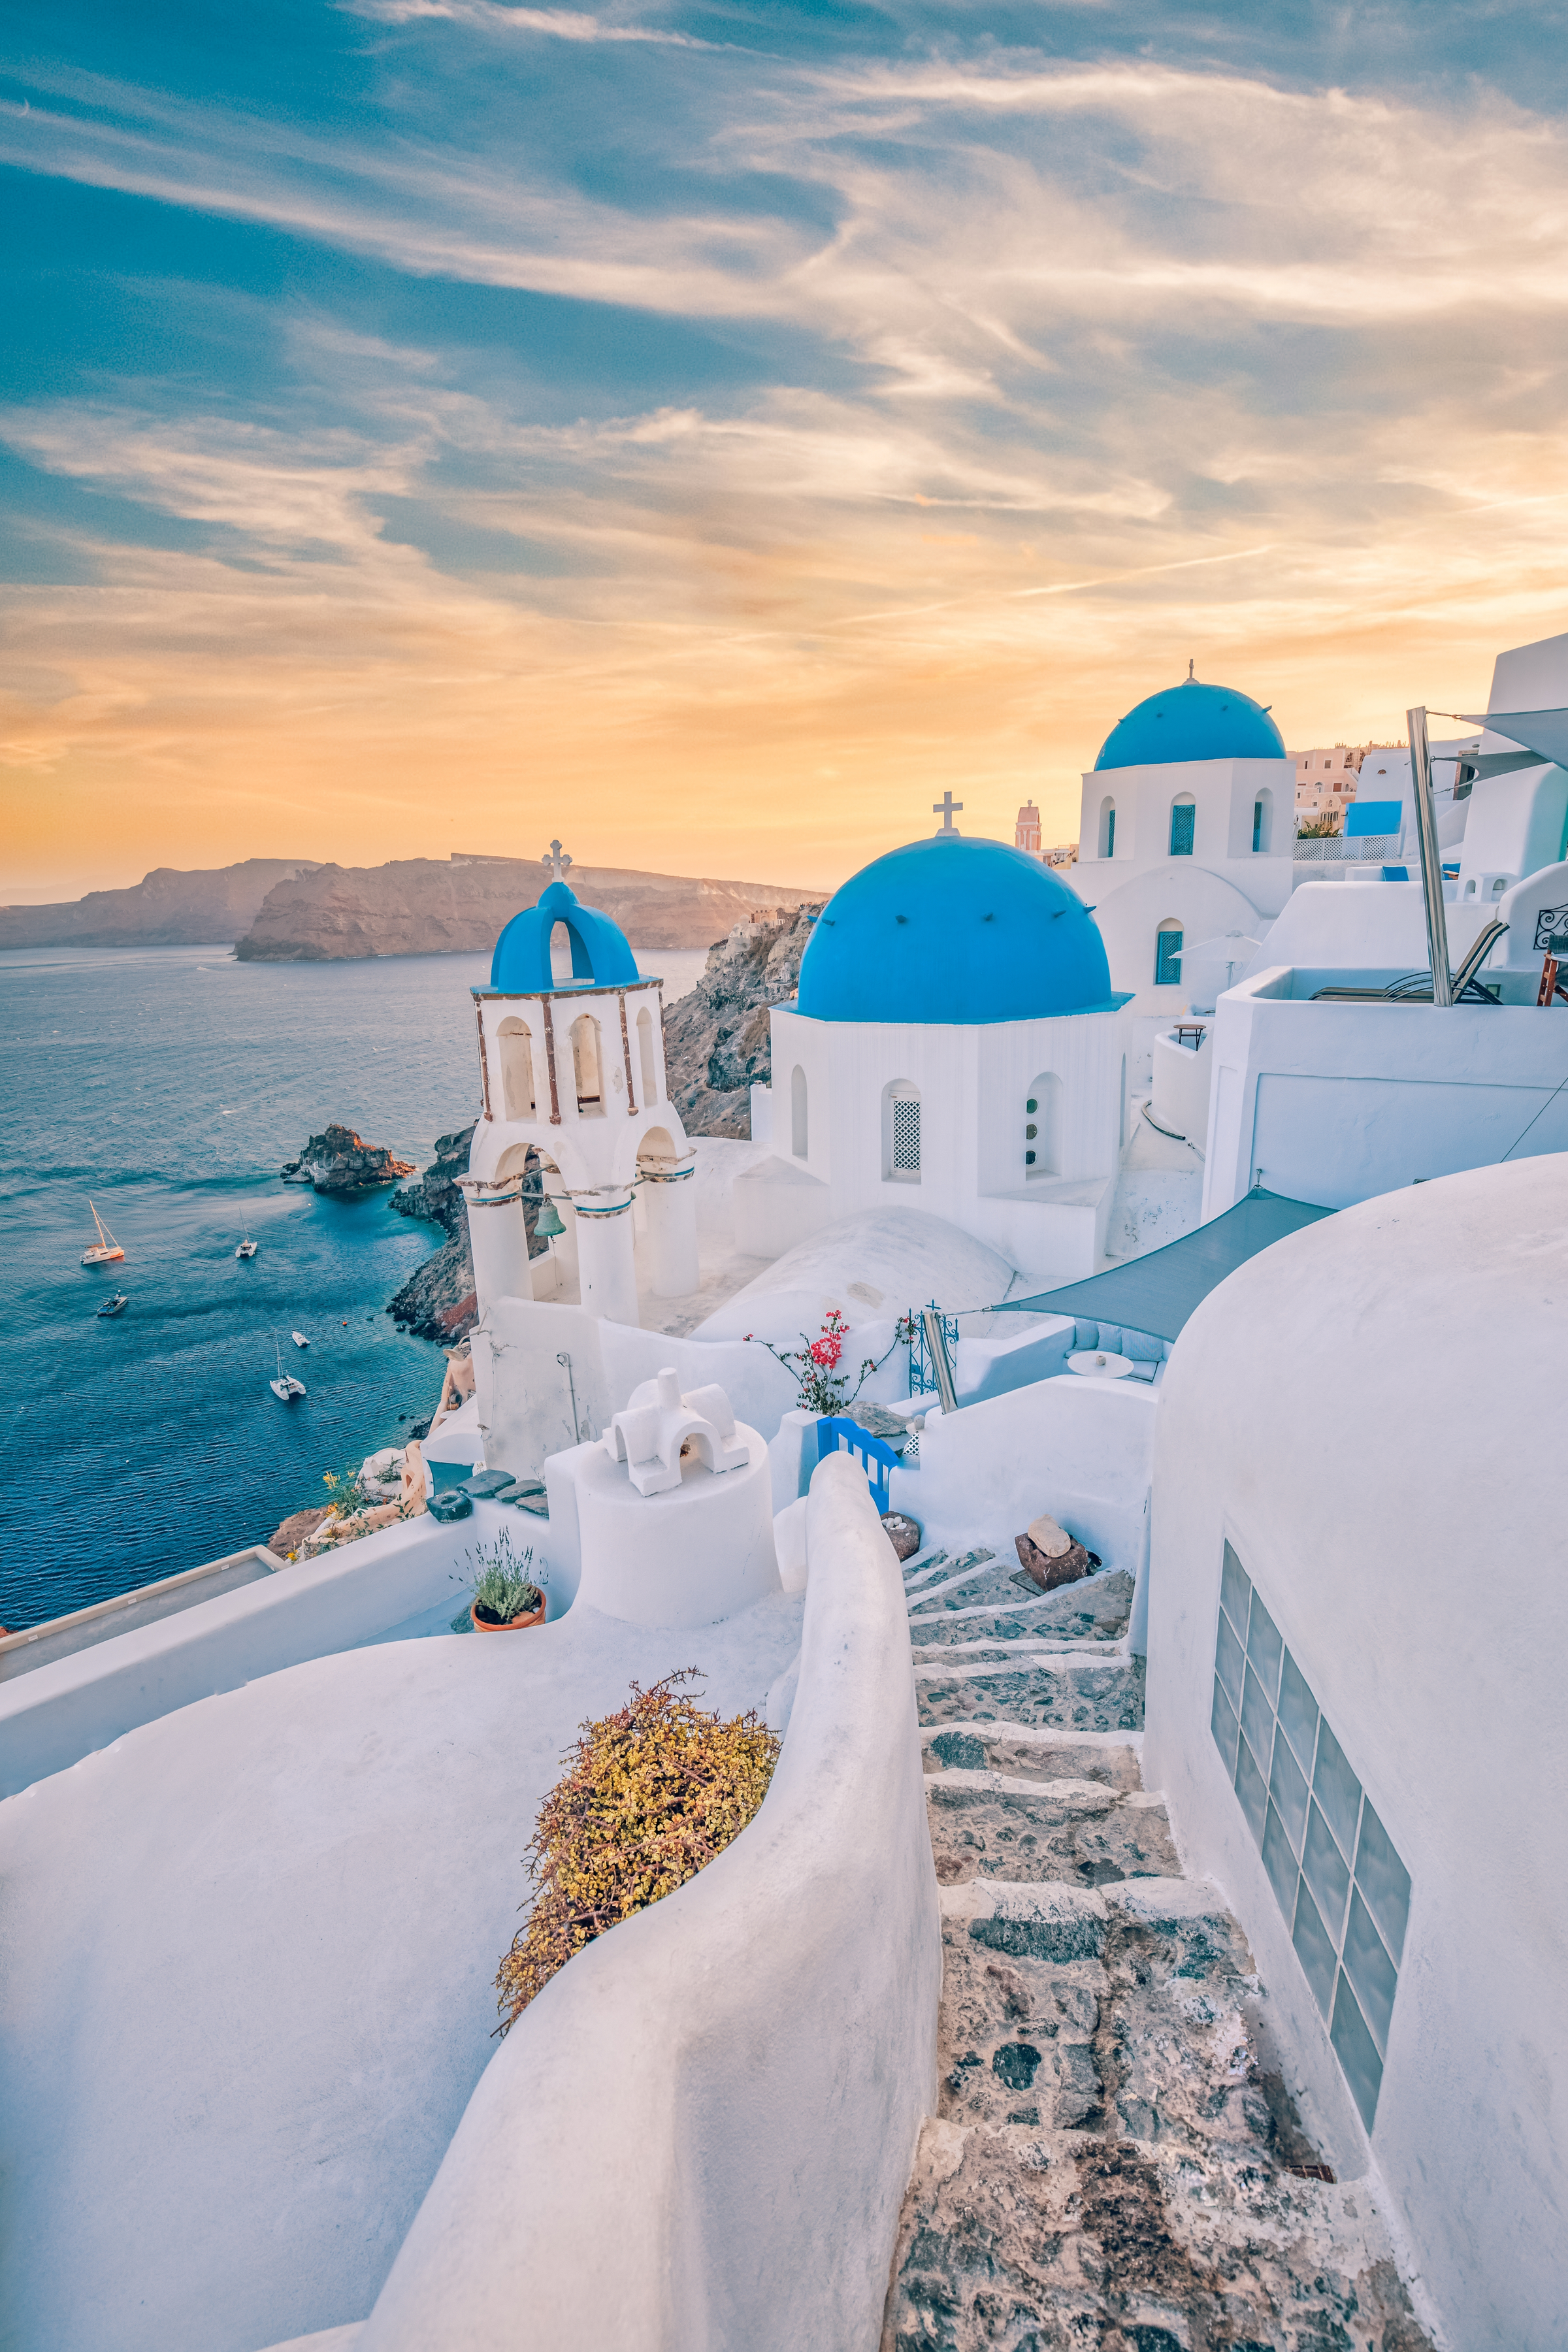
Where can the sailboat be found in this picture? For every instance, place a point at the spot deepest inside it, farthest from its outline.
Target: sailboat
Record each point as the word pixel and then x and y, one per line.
pixel 105 1247
pixel 285 1386
pixel 247 1248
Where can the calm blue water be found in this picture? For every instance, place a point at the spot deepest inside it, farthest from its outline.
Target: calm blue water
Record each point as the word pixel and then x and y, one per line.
pixel 172 1084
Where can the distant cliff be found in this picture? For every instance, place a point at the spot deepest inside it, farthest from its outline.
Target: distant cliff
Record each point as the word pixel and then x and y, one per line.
pixel 208 905
pixel 426 906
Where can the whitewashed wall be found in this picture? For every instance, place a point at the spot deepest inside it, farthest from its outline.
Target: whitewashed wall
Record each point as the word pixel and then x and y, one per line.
pixel 974 1083
pixel 698 2138
pixel 1408 1548
pixel 1337 1102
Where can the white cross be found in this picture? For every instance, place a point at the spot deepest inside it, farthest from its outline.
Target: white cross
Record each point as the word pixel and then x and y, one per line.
pixel 944 809
pixel 553 857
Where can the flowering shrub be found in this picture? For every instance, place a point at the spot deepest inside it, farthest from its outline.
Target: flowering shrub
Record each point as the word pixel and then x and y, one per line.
pixel 823 1387
pixel 651 1794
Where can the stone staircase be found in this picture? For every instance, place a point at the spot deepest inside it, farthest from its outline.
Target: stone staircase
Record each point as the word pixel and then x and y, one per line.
pixel 1111 2168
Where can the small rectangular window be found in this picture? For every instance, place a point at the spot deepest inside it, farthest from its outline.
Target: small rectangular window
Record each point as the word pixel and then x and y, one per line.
pixel 906 1139
pixel 1184 817
pixel 1167 959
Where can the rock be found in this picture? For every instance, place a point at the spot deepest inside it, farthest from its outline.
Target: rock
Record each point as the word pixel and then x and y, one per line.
pixel 434 1194
pixel 716 1040
pixel 904 1532
pixel 337 1160
pixel 451 1504
pixel 290 1536
pixel 1048 1537
pixel 1047 1572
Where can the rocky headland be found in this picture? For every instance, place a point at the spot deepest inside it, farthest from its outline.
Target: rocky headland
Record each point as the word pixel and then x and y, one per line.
pixel 166 909
pixel 426 906
pixel 337 1160
pixel 716 1040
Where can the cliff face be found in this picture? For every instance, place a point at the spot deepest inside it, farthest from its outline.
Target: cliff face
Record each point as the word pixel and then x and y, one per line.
pixel 716 1041
pixel 425 906
pixel 167 909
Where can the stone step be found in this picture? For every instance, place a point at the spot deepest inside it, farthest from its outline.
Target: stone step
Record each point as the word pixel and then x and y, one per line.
pixel 1074 1693
pixel 1098 1610
pixel 928 1570
pixel 1110 2166
pixel 999 1579
pixel 990 1825
pixel 1035 1755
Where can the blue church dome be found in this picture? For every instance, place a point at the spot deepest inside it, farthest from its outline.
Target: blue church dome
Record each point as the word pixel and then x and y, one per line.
pixel 600 956
pixel 951 932
pixel 1192 721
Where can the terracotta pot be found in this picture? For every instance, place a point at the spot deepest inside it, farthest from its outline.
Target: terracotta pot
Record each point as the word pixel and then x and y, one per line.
pixel 512 1625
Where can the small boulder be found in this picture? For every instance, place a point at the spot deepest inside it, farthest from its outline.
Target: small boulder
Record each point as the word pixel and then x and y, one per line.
pixel 903 1532
pixel 1049 1536
pixel 1047 1570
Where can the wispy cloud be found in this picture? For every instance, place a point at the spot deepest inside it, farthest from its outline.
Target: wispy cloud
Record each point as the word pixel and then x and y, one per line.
pixel 1072 369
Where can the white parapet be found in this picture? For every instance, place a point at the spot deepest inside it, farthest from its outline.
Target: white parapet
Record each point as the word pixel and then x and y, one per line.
pixel 700 2132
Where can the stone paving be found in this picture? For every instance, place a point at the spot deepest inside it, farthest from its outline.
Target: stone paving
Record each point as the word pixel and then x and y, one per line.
pixel 1109 2168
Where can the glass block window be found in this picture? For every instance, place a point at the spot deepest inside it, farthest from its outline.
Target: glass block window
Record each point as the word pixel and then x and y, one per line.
pixel 906 1139
pixel 1344 1891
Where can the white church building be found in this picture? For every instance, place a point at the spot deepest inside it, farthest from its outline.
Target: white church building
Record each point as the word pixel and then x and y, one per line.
pixel 956 1046
pixel 574 1072
pixel 1186 833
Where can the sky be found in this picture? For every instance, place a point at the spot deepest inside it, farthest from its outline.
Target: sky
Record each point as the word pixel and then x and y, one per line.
pixel 709 432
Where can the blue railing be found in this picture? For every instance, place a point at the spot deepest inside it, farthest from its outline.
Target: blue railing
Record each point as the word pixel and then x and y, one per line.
pixel 923 1371
pixel 878 1458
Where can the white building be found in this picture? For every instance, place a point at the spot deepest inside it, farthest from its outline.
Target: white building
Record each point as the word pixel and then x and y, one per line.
pixel 1354 1707
pixel 574 1072
pixel 1326 777
pixel 1186 832
pixel 956 1046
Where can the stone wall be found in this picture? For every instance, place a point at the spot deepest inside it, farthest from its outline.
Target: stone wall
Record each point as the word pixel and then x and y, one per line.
pixel 716 1041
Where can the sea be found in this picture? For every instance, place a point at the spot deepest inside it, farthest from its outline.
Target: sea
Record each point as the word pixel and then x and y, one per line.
pixel 168 1086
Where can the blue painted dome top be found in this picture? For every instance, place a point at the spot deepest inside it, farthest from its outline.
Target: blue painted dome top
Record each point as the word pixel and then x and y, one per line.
pixel 1192 721
pixel 953 932
pixel 600 956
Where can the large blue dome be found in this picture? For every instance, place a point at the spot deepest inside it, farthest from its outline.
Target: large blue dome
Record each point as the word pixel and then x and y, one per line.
pixel 952 932
pixel 600 956
pixel 1192 721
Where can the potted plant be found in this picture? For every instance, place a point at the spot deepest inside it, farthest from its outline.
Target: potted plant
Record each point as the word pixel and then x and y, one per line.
pixel 506 1597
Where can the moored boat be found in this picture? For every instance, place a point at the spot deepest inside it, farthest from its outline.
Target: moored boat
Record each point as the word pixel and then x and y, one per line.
pixel 247 1248
pixel 286 1388
pixel 299 1338
pixel 114 1305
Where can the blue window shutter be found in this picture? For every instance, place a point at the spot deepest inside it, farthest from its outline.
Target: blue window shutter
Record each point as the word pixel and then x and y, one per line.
pixel 1182 817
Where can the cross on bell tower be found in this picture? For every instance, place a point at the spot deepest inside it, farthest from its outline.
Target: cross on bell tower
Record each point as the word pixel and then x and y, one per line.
pixel 946 808
pixel 556 857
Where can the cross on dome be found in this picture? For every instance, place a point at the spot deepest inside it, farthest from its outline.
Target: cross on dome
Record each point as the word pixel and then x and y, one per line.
pixel 946 808
pixel 556 858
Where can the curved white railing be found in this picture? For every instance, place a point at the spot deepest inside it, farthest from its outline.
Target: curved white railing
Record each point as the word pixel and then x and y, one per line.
pixel 699 2135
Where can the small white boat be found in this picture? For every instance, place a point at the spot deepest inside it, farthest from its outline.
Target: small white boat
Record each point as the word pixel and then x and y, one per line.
pixel 105 1247
pixel 299 1338
pixel 115 1305
pixel 286 1388
pixel 247 1248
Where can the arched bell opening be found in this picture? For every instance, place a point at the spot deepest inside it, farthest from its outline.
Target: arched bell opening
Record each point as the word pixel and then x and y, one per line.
pixel 587 1067
pixel 515 1040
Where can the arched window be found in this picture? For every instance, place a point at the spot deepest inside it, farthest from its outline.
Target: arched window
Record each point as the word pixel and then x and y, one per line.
pixel 1183 818
pixel 1168 953
pixel 798 1132
pixel 1043 1126
pixel 585 1067
pixel 1108 828
pixel 516 1067
pixel 1263 821
pixel 647 1060
pixel 901 1132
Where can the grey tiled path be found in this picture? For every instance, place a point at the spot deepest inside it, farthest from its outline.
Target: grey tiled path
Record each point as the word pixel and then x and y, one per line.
pixel 1108 2169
